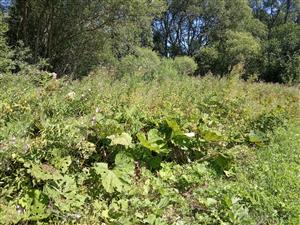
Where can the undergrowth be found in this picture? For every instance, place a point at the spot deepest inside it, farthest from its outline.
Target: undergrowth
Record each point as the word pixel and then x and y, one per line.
pixel 135 149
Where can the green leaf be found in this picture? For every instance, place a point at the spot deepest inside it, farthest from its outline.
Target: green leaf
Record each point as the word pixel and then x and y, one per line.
pixel 154 142
pixel 63 163
pixel 153 136
pixel 150 219
pixel 123 139
pixel 44 172
pixel 124 164
pixel 211 201
pixel 65 193
pixel 255 138
pixel 223 162
pixel 176 130
pixel 212 136
pixel 109 179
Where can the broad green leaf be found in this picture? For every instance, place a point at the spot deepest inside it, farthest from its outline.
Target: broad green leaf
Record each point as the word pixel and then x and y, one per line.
pixel 223 162
pixel 125 169
pixel 44 172
pixel 39 207
pixel 123 139
pixel 212 136
pixel 176 130
pixel 153 136
pixel 150 219
pixel 65 193
pixel 256 138
pixel 211 201
pixel 157 145
pixel 101 168
pixel 63 163
pixel 124 164
pixel 109 179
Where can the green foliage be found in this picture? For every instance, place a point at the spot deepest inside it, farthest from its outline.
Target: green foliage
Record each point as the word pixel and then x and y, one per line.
pixel 6 63
pixel 78 36
pixel 146 64
pixel 237 47
pixel 143 61
pixel 283 51
pixel 241 47
pixel 164 150
pixel 219 34
pixel 185 65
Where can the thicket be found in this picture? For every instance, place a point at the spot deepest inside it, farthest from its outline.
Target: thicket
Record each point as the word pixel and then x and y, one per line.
pixel 121 135
pixel 78 36
pixel 147 146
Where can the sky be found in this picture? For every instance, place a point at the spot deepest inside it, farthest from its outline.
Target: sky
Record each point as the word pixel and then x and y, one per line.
pixel 5 3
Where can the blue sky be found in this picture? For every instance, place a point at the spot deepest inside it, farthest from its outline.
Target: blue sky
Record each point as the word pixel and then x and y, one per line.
pixel 5 3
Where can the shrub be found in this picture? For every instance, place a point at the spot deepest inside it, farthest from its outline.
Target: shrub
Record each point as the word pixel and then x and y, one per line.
pixel 185 65
pixel 144 62
pixel 292 71
pixel 166 69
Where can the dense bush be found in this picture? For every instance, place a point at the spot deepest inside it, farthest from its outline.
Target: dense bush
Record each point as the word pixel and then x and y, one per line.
pixel 284 51
pixel 185 65
pixel 144 62
pixel 130 151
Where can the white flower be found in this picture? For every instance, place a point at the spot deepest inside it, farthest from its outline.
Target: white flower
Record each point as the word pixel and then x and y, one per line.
pixel 71 95
pixel 190 135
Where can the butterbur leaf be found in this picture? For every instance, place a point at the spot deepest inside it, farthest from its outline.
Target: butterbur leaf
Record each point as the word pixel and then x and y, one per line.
pixel 212 136
pixel 109 179
pixel 222 162
pixel 44 172
pixel 63 163
pixel 153 136
pixel 256 138
pixel 123 139
pixel 39 206
pixel 101 168
pixel 154 144
pixel 65 193
pixel 176 130
pixel 143 140
pixel 124 163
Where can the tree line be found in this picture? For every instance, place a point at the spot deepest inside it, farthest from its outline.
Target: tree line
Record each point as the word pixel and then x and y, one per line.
pixel 75 36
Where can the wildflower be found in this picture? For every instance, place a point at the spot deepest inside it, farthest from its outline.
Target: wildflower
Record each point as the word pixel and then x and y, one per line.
pixel 71 95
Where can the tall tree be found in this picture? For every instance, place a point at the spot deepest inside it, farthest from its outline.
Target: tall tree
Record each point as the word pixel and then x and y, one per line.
pixel 6 63
pixel 201 28
pixel 76 35
pixel 280 61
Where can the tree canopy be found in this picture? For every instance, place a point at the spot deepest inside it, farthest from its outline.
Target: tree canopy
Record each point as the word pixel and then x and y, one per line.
pixel 76 36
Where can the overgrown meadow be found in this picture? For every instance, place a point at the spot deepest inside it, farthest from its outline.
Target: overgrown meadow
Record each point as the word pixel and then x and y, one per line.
pixel 147 144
